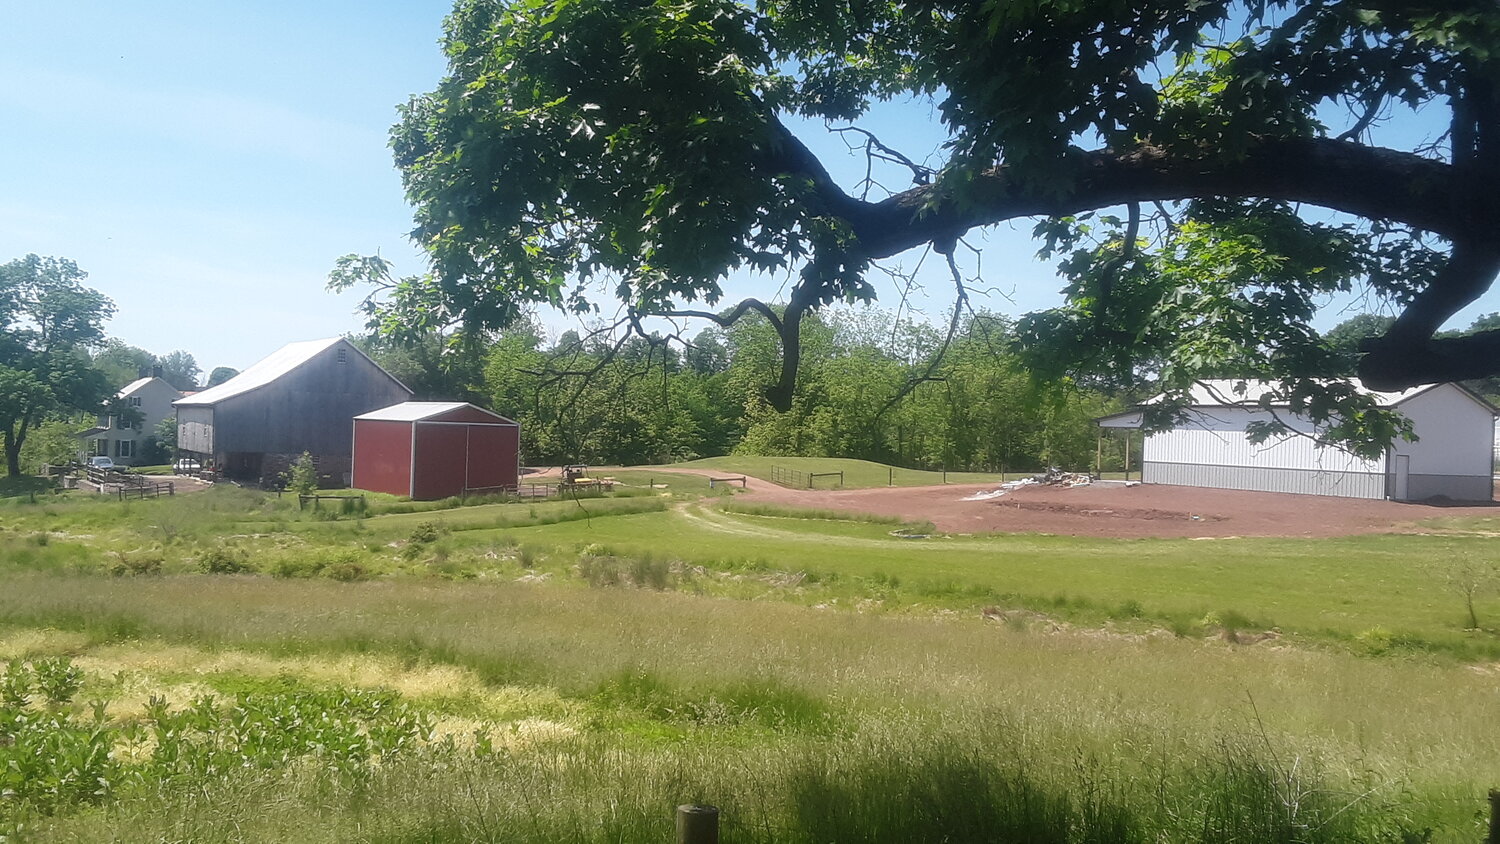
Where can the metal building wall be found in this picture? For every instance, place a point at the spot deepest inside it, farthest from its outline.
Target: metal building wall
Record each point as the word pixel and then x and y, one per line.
pixel 1266 479
pixel 1215 451
pixel 382 456
pixel 1453 455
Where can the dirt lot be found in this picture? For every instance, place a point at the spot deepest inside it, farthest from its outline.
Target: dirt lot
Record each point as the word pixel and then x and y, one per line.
pixel 1145 510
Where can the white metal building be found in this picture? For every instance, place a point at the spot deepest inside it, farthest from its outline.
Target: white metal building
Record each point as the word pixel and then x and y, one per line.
pixel 1452 456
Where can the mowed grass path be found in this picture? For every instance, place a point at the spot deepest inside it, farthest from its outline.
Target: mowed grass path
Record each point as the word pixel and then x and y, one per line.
pixel 1382 587
pixel 858 474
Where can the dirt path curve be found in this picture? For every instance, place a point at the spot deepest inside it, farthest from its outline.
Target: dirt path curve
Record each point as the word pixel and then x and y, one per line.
pixel 1112 510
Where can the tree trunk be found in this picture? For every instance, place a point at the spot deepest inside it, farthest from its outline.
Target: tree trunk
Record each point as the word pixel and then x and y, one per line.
pixel 13 455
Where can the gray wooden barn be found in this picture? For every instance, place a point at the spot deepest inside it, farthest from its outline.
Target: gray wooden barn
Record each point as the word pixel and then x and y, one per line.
pixel 304 397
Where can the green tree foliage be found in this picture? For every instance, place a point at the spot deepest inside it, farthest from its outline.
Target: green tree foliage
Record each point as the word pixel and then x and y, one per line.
pixel 636 400
pixel 48 321
pixel 166 433
pixel 593 155
pixel 220 375
pixel 180 370
pixel 432 365
pixel 302 477
pixel 52 442
pixel 1346 338
pixel 121 362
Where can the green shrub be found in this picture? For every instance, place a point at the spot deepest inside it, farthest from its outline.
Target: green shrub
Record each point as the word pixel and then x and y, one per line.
pixel 135 563
pixel 224 560
pixel 57 679
pixel 348 572
pixel 424 533
pixel 302 477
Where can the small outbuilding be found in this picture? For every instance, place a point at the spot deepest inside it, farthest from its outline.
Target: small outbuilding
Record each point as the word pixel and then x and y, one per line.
pixel 435 449
pixel 1451 457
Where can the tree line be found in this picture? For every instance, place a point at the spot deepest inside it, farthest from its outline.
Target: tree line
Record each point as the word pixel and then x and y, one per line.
pixel 870 385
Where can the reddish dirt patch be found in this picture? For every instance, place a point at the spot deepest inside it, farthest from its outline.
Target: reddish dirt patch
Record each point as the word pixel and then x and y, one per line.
pixel 1109 510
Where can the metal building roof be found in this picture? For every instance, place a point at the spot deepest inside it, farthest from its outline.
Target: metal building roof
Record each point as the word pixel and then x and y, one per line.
pixel 268 369
pixel 416 411
pixel 1228 392
pixel 1243 392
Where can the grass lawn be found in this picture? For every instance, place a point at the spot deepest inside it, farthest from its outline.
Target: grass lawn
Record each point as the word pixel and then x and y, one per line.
pixel 858 474
pixel 1374 592
pixel 571 670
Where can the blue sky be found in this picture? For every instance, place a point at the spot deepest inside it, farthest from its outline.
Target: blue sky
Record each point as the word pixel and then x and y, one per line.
pixel 206 164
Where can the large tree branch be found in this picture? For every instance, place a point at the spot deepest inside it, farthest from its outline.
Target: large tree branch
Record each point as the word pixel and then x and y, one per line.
pixel 727 319
pixel 1409 355
pixel 1368 182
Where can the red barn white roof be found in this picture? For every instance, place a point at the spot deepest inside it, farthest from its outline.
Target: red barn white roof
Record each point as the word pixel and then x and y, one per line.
pixel 416 411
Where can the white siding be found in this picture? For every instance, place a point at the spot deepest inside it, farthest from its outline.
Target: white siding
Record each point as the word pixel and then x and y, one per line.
pixel 1453 453
pixel 1453 434
pixel 1218 438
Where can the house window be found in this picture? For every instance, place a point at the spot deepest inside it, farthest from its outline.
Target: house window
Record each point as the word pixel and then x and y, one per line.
pixel 135 401
pixel 124 448
pixel 121 423
pixel 343 355
pixel 101 448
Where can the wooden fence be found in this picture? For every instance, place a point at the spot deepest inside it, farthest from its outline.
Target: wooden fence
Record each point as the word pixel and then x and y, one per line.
pixel 736 480
pixel 317 502
pixel 802 480
pixel 812 478
pixel 146 490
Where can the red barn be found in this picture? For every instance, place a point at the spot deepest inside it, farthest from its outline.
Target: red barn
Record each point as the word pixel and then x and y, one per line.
pixel 434 449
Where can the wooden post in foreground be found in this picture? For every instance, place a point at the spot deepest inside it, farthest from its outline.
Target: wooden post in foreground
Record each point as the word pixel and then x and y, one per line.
pixel 697 824
pixel 1494 836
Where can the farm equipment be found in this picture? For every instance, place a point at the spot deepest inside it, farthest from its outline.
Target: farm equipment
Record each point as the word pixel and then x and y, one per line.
pixel 576 478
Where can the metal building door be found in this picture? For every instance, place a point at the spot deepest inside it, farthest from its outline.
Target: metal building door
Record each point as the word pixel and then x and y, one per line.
pixel 1403 477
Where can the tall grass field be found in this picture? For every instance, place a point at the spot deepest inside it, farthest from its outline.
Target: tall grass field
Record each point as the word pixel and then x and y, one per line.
pixel 225 667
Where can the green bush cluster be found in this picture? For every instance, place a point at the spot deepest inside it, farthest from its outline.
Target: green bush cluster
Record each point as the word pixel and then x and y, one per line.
pixel 224 559
pixel 135 562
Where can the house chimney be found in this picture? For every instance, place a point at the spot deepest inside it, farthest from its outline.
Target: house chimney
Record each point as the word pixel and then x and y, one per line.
pixel 142 372
pixel 156 372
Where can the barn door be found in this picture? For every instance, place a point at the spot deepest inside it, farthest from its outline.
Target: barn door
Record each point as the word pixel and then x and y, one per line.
pixel 485 464
pixel 1403 477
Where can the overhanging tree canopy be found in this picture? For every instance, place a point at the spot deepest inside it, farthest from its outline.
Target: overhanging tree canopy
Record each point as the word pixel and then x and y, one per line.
pixel 640 148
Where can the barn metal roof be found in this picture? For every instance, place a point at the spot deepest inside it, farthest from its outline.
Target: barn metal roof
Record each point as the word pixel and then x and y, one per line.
pixel 416 411
pixel 270 368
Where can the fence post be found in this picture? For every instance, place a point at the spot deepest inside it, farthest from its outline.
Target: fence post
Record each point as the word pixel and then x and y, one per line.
pixel 892 480
pixel 1494 837
pixel 697 824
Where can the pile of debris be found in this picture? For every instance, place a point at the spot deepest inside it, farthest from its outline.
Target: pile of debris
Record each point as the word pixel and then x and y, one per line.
pixel 1052 477
pixel 1057 477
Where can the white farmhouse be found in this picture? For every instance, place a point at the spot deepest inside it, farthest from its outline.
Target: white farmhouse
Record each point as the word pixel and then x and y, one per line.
pixel 1453 454
pixel 117 437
